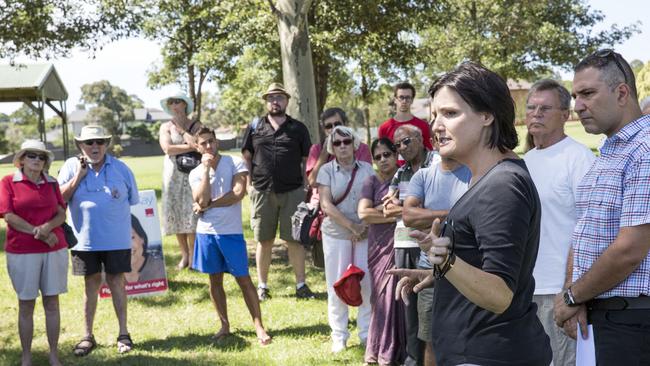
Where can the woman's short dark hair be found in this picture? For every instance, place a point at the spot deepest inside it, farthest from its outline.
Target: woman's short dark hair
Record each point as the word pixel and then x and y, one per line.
pixel 485 92
pixel 385 141
pixel 137 227
pixel 331 112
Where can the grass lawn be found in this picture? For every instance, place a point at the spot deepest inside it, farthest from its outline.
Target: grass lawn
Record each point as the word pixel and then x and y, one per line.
pixel 175 328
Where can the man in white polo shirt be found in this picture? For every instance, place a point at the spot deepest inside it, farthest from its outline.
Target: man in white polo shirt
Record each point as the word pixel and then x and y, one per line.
pixel 557 164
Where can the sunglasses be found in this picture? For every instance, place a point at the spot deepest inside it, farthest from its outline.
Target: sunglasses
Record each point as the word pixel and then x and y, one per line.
pixel 404 143
pixel 99 142
pixel 174 101
pixel 607 53
pixel 438 272
pixel 329 126
pixel 345 142
pixel 34 156
pixel 276 98
pixel 385 154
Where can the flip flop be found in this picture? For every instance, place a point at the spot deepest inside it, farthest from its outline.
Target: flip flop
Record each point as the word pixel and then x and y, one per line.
pixel 85 346
pixel 124 343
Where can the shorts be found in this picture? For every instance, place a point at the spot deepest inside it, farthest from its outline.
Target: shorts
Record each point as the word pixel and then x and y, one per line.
pixel 47 272
pixel 86 263
pixel 425 313
pixel 215 253
pixel 267 208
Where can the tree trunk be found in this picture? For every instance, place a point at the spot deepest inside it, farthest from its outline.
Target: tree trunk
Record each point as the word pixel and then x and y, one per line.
pixel 365 97
pixel 297 69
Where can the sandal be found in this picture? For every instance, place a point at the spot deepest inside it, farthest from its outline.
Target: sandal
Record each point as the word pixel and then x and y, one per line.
pixel 85 346
pixel 124 343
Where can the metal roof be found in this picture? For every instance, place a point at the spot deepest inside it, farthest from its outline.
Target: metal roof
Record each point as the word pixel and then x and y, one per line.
pixel 30 82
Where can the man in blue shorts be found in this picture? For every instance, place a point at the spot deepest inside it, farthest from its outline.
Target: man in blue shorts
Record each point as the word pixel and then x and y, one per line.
pixel 218 186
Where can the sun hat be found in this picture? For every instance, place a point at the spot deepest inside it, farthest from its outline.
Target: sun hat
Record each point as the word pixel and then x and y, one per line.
pixel 92 132
pixel 348 287
pixel 275 88
pixel 188 102
pixel 35 146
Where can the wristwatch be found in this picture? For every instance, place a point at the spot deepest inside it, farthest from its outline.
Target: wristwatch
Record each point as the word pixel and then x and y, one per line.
pixel 569 300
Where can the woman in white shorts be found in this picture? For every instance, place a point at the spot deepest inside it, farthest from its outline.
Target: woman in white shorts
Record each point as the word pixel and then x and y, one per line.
pixel 37 253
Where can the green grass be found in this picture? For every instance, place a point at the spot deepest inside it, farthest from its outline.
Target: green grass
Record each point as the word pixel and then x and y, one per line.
pixel 175 328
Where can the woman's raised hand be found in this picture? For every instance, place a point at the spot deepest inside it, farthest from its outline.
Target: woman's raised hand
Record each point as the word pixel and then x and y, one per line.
pixel 437 248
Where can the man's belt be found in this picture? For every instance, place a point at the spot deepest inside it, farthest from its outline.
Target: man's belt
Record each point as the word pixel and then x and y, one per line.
pixel 620 303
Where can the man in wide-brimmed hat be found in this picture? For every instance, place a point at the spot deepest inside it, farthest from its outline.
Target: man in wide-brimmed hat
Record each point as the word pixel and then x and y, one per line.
pixel 275 148
pixel 100 189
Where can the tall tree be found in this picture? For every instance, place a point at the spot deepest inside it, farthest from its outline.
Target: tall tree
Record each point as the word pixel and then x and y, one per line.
pixel 111 99
pixel 195 43
pixel 519 39
pixel 47 28
pixel 297 66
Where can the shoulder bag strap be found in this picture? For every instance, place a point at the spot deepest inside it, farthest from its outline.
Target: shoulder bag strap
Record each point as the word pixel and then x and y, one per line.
pixel 347 190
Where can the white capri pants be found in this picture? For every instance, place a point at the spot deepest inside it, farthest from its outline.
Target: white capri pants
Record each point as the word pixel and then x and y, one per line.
pixel 338 254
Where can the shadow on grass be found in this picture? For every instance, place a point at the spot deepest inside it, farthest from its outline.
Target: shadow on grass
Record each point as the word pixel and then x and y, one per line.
pixel 232 342
pixel 294 332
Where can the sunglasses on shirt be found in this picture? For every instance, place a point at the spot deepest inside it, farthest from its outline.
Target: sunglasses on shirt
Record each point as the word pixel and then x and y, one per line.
pixel 345 142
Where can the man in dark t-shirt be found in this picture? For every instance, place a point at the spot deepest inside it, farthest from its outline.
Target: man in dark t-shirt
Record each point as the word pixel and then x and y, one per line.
pixel 275 149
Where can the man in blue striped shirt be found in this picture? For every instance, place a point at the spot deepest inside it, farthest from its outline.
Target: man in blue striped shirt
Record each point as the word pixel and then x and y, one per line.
pixel 608 279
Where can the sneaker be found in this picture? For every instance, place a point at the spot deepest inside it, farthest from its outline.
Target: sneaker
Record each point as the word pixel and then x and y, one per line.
pixel 263 293
pixel 304 293
pixel 338 346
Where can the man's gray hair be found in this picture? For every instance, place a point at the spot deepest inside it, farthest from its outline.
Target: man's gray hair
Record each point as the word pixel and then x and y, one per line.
pixel 548 84
pixel 411 129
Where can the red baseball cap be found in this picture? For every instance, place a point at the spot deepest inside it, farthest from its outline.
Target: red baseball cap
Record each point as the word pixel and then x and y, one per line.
pixel 348 287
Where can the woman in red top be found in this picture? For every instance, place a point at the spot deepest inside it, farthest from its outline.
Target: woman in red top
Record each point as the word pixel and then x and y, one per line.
pixel 37 253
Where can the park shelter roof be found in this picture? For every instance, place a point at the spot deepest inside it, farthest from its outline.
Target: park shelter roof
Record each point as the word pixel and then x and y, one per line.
pixel 32 82
pixel 36 85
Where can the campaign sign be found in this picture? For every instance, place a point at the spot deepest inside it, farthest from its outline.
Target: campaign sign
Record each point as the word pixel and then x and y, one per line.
pixel 147 276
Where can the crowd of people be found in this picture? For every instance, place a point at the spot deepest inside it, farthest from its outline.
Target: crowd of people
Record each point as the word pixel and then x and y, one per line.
pixel 471 254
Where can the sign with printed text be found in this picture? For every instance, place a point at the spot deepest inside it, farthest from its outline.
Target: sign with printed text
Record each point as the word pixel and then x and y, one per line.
pixel 148 275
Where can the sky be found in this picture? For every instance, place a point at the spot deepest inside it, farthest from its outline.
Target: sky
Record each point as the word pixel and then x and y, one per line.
pixel 125 63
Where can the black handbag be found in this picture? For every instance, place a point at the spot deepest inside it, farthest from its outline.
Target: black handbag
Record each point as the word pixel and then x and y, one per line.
pixel 70 238
pixel 185 162
pixel 68 233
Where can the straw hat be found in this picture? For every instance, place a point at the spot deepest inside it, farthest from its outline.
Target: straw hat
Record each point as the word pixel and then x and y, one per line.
pixel 188 102
pixel 92 132
pixel 275 88
pixel 35 146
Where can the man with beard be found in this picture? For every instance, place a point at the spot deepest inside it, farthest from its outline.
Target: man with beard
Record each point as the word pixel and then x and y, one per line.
pixel 404 93
pixel 275 149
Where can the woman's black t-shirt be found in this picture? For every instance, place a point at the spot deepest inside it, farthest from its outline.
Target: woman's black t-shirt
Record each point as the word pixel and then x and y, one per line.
pixel 495 228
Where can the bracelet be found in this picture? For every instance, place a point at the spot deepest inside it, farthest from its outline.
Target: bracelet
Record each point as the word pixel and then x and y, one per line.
pixel 440 271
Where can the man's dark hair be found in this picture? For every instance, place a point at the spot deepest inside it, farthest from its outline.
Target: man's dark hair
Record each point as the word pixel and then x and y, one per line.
pixel 485 92
pixel 404 85
pixel 548 84
pixel 331 112
pixel 203 130
pixel 613 68
pixel 382 141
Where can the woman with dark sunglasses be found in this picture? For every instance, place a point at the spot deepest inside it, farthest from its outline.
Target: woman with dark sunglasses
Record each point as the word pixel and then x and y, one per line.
pixel 386 333
pixel 37 253
pixel 177 137
pixel 483 260
pixel 329 119
pixel 344 234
